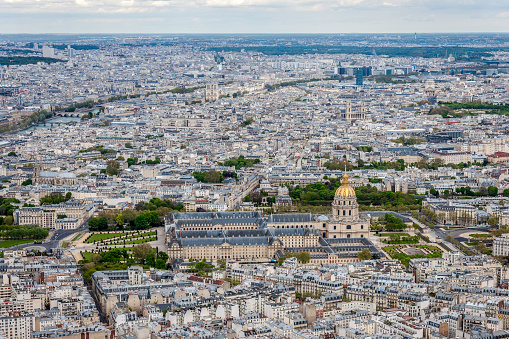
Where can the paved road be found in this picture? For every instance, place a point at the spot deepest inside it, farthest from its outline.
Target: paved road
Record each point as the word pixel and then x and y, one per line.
pixel 56 237
pixel 457 232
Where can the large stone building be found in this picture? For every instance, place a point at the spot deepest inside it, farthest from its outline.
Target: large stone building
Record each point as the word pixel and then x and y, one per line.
pixel 67 215
pixel 333 238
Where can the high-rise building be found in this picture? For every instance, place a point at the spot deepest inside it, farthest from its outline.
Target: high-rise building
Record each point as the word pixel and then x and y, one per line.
pixel 48 52
pixel 359 77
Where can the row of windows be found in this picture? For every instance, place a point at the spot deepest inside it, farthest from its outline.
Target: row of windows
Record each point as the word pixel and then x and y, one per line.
pixel 349 227
pixel 348 235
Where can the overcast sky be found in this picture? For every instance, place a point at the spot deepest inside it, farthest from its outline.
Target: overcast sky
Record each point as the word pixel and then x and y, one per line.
pixel 253 16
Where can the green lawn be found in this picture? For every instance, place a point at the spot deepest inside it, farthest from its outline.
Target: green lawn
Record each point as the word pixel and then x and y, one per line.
pixel 9 243
pixel 138 241
pixel 76 237
pixel 405 258
pixel 64 244
pixel 106 236
pixel 389 234
pixel 99 237
pixel 130 238
pixel 480 235
pixel 87 255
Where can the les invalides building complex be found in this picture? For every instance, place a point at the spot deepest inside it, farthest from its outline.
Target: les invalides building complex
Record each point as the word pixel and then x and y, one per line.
pixel 332 238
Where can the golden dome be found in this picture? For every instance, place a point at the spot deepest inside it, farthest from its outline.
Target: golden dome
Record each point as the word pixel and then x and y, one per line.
pixel 345 191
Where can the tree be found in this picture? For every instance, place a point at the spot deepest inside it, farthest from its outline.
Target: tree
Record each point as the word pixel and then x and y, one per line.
pixel 112 167
pixel 492 191
pixel 27 182
pixel 364 254
pixel 434 192
pixel 492 221
pixel 8 220
pixel 506 193
pixel 128 145
pixel 212 177
pixel 141 222
pixel 141 251
pixel 160 264
pixel 150 259
pixel 97 258
pixel 102 224
pixel 119 220
pixel 162 256
pixel 304 257
pixel 93 224
pixel 12 154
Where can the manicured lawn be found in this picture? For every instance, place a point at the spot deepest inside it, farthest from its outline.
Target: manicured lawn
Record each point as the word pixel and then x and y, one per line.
pixel 138 241
pixel 87 255
pixel 104 236
pixel 9 243
pixel 480 235
pixel 76 237
pixel 112 236
pixel 130 238
pixel 405 258
pixel 389 234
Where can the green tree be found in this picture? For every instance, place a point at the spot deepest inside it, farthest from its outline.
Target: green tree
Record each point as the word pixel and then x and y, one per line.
pixel 102 224
pixel 506 193
pixel 8 220
pixel 141 222
pixel 12 154
pixel 304 257
pixel 492 221
pixel 162 256
pixel 364 254
pixel 112 167
pixel 150 259
pixel 141 251
pixel 119 220
pixel 128 145
pixel 160 264
pixel 93 224
pixel 27 182
pixel 492 191
pixel 212 177
pixel 97 258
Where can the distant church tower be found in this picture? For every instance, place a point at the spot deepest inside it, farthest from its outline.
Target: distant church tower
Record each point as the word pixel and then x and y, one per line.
pixel 37 172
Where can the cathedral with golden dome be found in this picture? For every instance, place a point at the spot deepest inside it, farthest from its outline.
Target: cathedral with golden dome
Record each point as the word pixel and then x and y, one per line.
pixel 344 221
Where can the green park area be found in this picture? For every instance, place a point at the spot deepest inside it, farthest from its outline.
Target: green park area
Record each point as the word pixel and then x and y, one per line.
pixel 104 236
pixel 9 243
pixel 405 253
pixel 122 238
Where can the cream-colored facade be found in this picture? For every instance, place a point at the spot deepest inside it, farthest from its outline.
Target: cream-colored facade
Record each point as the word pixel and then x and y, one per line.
pixel 252 236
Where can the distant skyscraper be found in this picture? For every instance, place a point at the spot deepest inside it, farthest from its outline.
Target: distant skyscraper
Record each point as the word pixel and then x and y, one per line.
pixel 358 77
pixel 70 52
pixel 48 52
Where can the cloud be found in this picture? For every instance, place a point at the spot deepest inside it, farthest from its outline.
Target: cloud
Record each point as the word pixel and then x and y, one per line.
pixel 244 16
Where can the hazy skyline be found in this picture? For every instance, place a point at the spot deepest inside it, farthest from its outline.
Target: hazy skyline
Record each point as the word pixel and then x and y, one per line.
pixel 252 16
